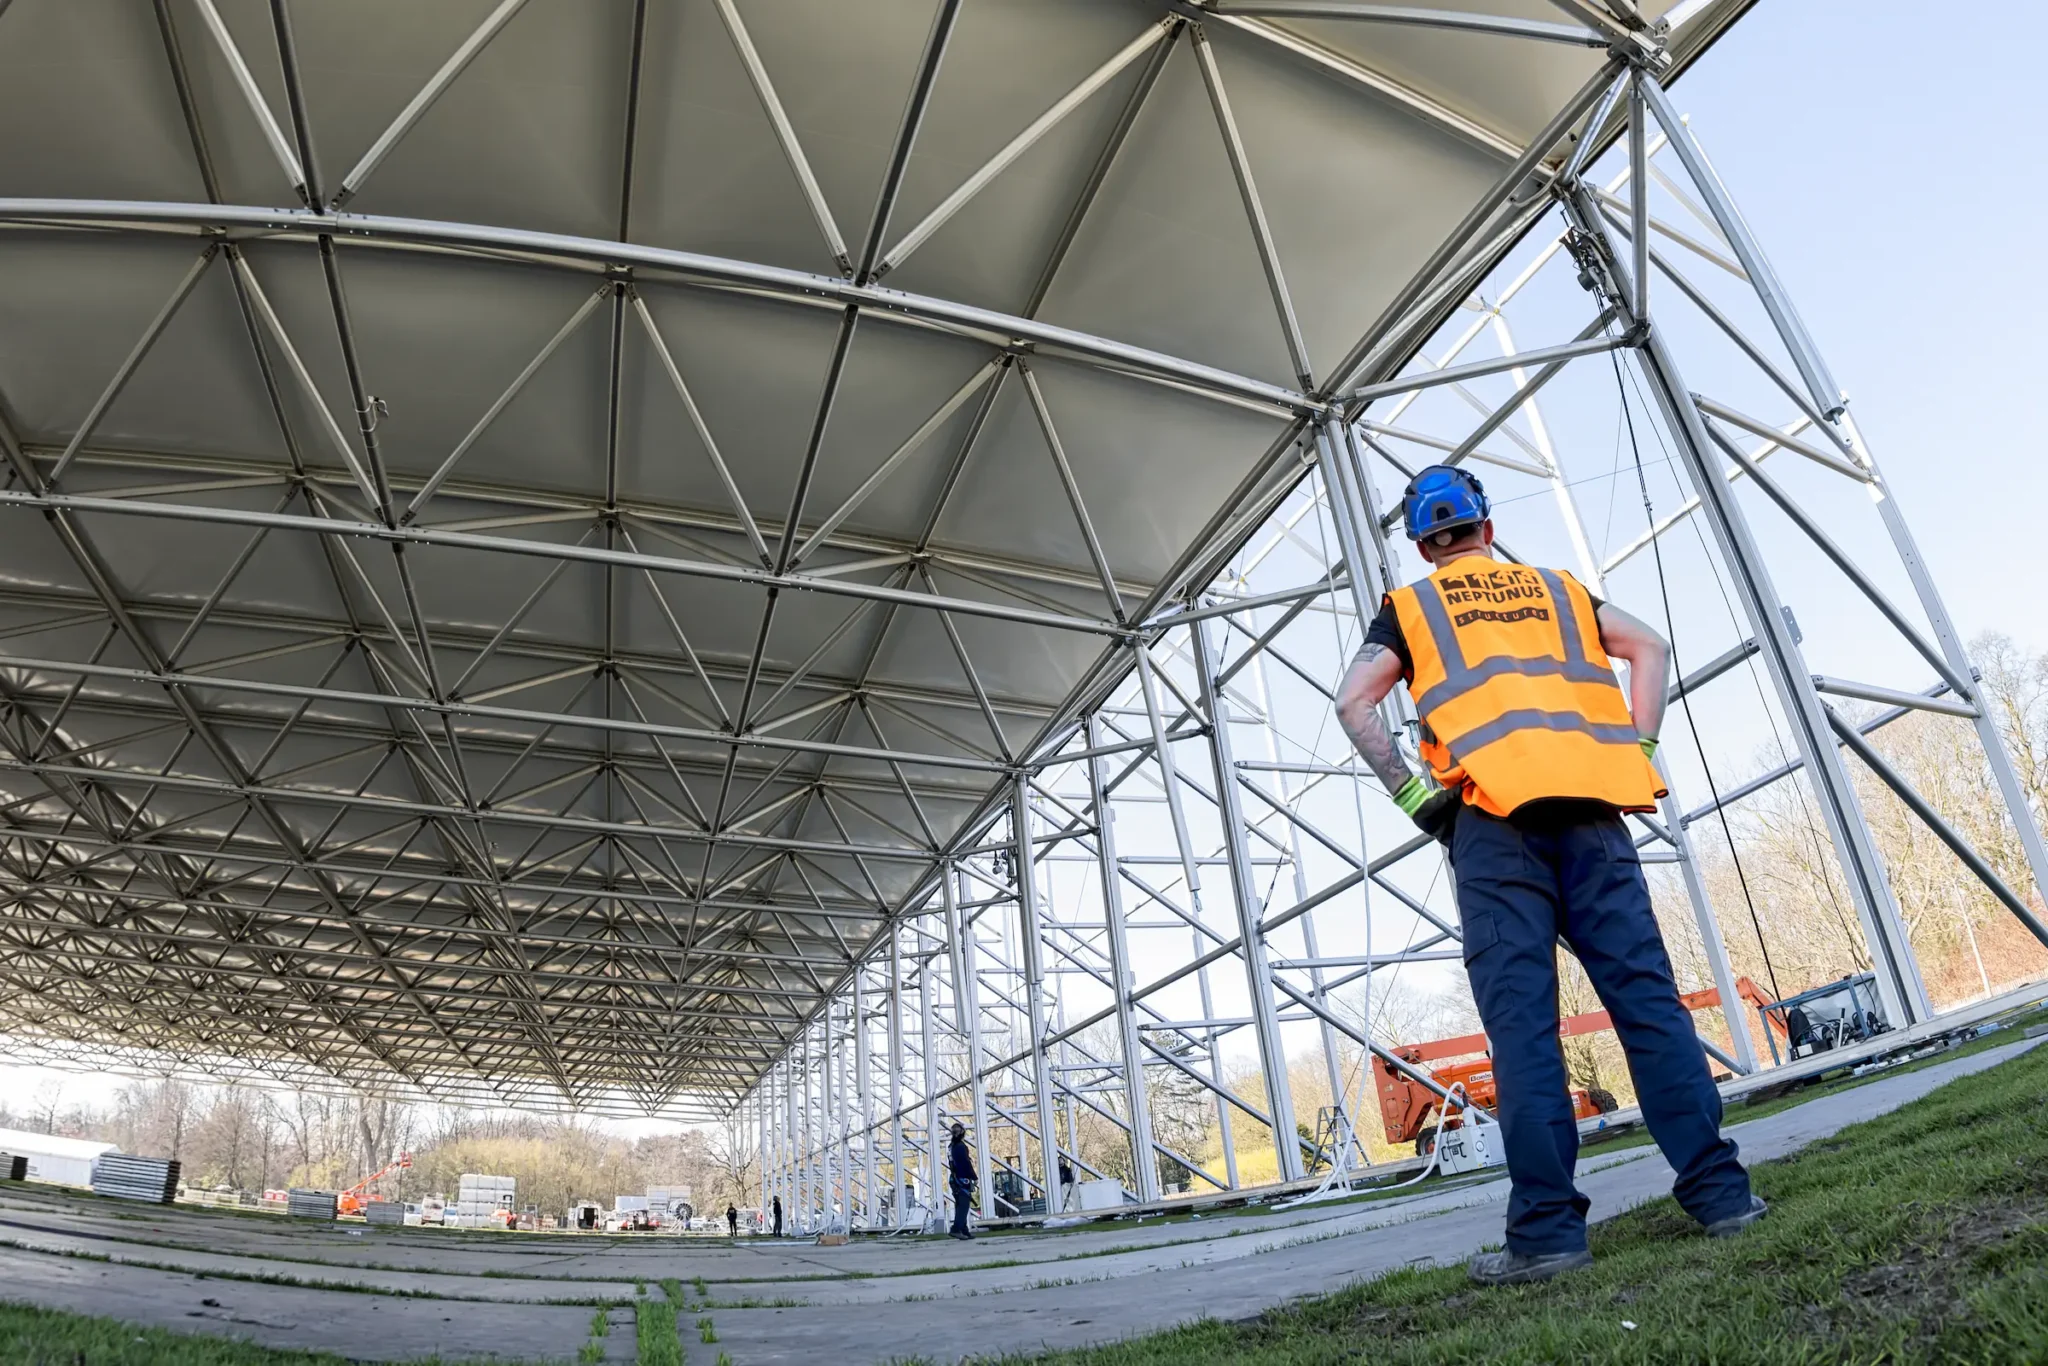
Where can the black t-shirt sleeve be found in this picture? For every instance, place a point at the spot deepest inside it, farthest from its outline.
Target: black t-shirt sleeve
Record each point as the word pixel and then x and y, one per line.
pixel 1386 630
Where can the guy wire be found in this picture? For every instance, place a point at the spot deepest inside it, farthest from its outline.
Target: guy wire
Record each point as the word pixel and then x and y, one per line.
pixel 1685 699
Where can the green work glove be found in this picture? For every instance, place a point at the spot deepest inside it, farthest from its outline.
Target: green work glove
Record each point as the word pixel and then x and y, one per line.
pixel 1648 745
pixel 1433 809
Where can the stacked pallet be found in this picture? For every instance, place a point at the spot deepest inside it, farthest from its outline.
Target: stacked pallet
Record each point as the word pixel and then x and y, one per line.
pixel 126 1177
pixel 384 1213
pixel 303 1203
pixel 13 1167
pixel 478 1199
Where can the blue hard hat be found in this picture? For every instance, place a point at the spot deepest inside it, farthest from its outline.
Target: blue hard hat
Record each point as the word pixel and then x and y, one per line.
pixel 1442 498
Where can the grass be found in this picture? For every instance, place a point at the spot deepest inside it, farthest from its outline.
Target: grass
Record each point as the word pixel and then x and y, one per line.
pixel 48 1337
pixel 300 1282
pixel 600 1329
pixel 1918 1236
pixel 1741 1111
pixel 660 1345
pixel 705 1332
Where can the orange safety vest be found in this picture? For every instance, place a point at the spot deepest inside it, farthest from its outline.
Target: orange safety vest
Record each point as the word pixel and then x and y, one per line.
pixel 1518 700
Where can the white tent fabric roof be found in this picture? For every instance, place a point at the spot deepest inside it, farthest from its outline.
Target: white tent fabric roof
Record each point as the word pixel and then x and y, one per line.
pixel 486 632
pixel 21 1143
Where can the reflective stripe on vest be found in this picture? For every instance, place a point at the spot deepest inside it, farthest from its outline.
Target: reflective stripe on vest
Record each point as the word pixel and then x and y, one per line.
pixel 1460 677
pixel 1547 754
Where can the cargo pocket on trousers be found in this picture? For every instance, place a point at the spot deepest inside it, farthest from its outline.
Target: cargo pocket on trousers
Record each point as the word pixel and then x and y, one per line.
pixel 1615 840
pixel 1478 932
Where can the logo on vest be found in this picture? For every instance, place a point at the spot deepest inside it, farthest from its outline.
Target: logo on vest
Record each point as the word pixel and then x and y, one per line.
pixel 1487 614
pixel 1502 584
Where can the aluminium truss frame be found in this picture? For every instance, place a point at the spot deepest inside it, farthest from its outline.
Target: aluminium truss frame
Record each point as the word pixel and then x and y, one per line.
pixel 1174 734
pixel 1044 966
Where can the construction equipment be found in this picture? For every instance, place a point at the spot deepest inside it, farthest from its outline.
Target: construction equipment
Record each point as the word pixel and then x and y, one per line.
pixel 1413 1113
pixel 1843 1012
pixel 356 1197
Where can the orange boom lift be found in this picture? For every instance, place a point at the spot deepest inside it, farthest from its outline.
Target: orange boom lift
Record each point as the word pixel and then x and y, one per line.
pixel 1407 1107
pixel 352 1200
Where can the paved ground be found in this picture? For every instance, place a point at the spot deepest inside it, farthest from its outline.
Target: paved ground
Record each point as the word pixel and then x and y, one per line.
pixel 871 1301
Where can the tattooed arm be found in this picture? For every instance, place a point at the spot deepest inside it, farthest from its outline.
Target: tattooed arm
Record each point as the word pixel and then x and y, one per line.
pixel 1372 675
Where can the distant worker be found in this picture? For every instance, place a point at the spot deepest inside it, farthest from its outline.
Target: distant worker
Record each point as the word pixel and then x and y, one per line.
pixel 1066 1183
pixel 960 1167
pixel 732 1220
pixel 1538 754
pixel 775 1208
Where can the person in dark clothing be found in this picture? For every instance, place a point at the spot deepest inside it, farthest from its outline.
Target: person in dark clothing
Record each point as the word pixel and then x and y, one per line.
pixel 960 1167
pixel 1066 1182
pixel 775 1208
pixel 1536 752
pixel 732 1221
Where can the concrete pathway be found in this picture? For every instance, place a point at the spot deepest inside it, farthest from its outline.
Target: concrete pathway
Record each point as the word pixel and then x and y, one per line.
pixel 1114 1304
pixel 361 1327
pixel 869 1302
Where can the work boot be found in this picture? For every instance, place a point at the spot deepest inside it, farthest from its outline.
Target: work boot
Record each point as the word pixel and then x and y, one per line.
pixel 1516 1268
pixel 1735 1223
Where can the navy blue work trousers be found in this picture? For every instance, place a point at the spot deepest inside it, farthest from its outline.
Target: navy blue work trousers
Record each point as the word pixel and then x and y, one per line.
pixel 963 1200
pixel 1569 870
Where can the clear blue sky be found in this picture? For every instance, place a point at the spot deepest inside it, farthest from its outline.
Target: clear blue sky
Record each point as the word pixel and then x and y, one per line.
pixel 1884 152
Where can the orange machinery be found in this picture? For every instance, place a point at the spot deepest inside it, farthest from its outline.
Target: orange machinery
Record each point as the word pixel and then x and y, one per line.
pixel 1407 1106
pixel 352 1200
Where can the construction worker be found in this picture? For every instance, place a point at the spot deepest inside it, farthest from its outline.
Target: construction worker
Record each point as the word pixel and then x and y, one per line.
pixel 960 1168
pixel 1536 753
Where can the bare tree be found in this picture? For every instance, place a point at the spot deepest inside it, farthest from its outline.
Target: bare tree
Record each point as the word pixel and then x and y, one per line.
pixel 733 1159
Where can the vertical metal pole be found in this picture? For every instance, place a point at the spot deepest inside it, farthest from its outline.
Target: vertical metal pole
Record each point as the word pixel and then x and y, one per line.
pixel 1359 517
pixel 822 1175
pixel 968 999
pixel 1639 192
pixel 928 1046
pixel 778 1113
pixel 1365 567
pixel 1900 987
pixel 828 1120
pixel 800 1134
pixel 1144 1162
pixel 861 1061
pixel 1258 969
pixel 1169 776
pixel 842 1115
pixel 898 1198
pixel 1327 1034
pixel 1031 941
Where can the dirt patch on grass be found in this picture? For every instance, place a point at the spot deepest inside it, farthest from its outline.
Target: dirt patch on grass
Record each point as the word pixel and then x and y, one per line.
pixel 1924 1289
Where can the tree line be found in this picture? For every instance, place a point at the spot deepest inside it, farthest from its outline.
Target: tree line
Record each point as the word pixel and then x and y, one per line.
pixel 250 1138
